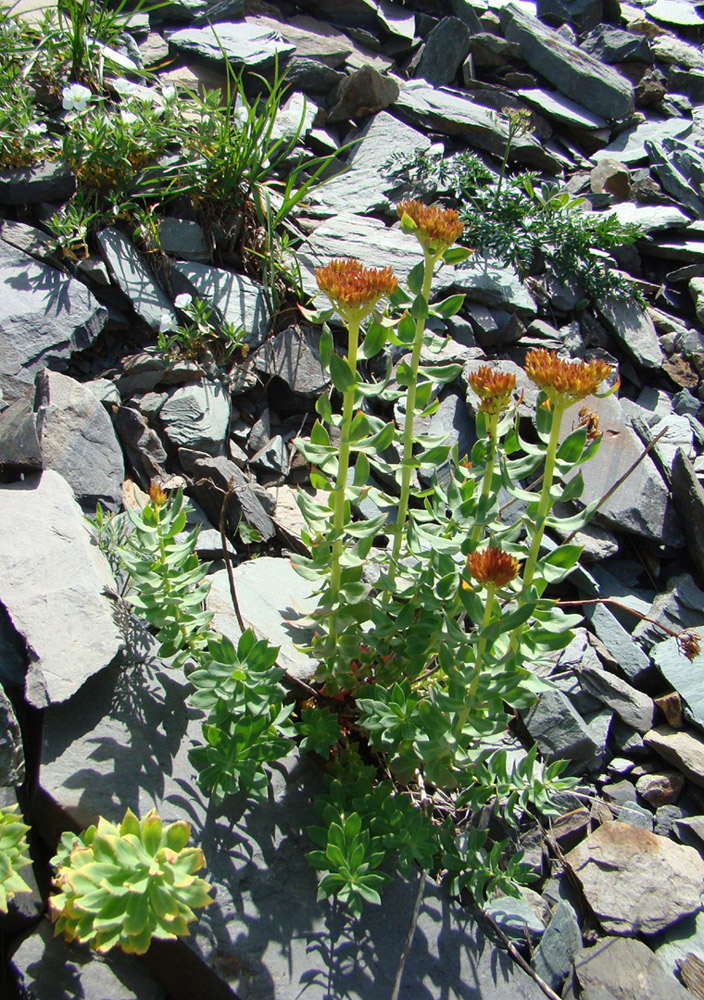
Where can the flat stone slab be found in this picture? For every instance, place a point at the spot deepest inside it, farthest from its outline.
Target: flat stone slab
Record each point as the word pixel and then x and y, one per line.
pixel 237 298
pixel 133 276
pixel 242 43
pixel 577 75
pixel 629 146
pixel 197 416
pixel 271 596
pixel 364 185
pixel 124 741
pixel 683 749
pixel 637 882
pixel 651 218
pixel 624 969
pixel 453 112
pixel 555 105
pixel 44 315
pixel 51 583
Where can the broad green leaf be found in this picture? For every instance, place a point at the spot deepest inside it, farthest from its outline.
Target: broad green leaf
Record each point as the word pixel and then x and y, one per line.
pixel 341 374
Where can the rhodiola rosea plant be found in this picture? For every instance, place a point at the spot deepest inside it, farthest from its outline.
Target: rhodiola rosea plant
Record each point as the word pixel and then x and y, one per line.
pixel 431 614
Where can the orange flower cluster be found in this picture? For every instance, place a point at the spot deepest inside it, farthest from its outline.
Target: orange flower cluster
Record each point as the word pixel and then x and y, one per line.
pixel 350 285
pixel 563 379
pixel 493 387
pixel 157 495
pixel 492 566
pixel 438 227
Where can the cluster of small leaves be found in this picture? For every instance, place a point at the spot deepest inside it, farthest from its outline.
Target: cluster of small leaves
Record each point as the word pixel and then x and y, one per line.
pixel 248 722
pixel 531 226
pixel 169 581
pixel 112 533
pixel 24 138
pixel 202 330
pixel 121 886
pixel 13 855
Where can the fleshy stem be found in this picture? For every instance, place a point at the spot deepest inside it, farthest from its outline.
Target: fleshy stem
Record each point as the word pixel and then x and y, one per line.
pixel 406 469
pixel 544 504
pixel 481 645
pixel 167 583
pixel 492 424
pixel 354 323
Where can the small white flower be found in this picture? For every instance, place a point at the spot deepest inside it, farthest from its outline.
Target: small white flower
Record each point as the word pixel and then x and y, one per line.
pixel 128 118
pixel 168 92
pixel 75 97
pixel 183 301
pixel 37 128
pixel 167 322
pixel 125 87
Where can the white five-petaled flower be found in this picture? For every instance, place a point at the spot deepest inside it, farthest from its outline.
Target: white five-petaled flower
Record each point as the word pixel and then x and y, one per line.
pixel 37 128
pixel 168 92
pixel 75 97
pixel 167 322
pixel 128 118
pixel 183 301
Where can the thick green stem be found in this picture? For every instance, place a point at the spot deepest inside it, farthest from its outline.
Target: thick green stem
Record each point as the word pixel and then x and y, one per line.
pixel 165 578
pixel 343 462
pixel 492 424
pixel 406 469
pixel 481 645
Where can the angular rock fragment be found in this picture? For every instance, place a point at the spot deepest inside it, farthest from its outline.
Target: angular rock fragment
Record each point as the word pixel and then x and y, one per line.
pixel 623 969
pixel 637 882
pixel 683 749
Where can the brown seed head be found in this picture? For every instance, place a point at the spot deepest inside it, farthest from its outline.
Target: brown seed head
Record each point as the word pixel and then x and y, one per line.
pixel 438 227
pixel 351 286
pixel 493 566
pixel 157 495
pixel 689 643
pixel 565 380
pixel 589 419
pixel 493 387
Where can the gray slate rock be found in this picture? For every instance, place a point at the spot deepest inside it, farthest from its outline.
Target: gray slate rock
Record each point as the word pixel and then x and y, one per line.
pixel 677 942
pixel 366 186
pixel 133 276
pixel 678 605
pixel 683 749
pixel 614 45
pixel 516 918
pixel 560 947
pixel 651 218
pixel 558 729
pixel 641 505
pixel 72 635
pixel 493 285
pixel 212 477
pixel 634 328
pixel 237 298
pixel 142 446
pixel 575 73
pixel 631 705
pixel 11 748
pixel 582 14
pixel 48 967
pixel 20 445
pixel 294 357
pixel 454 113
pixel 624 969
pixel 183 239
pixel 673 162
pixel 271 596
pixel 44 317
pixel 263 934
pixel 246 43
pixel 446 48
pixel 79 442
pixel 197 416
pixel 686 676
pixel 363 93
pixel 619 642
pixel 635 881
pixel 688 496
pixel 631 145
pixel 50 181
pixel 561 108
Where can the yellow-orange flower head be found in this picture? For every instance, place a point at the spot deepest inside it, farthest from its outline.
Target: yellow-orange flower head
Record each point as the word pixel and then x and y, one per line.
pixel 563 380
pixel 352 287
pixel 437 228
pixel 492 567
pixel 493 387
pixel 157 495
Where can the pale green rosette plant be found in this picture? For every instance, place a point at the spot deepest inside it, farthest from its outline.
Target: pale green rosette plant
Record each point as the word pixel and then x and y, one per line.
pixel 13 855
pixel 121 886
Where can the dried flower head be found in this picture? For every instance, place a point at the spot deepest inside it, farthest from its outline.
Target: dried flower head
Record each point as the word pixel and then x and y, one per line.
pixel 437 228
pixel 589 419
pixel 492 566
pixel 689 643
pixel 351 286
pixel 157 495
pixel 493 387
pixel 564 380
